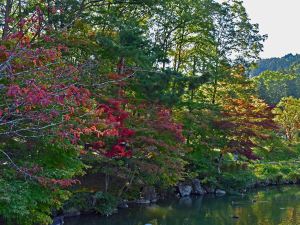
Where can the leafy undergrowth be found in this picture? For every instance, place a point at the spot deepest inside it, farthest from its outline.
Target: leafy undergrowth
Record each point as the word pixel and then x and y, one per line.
pixel 260 174
pixel 28 200
pixel 277 149
pixel 87 202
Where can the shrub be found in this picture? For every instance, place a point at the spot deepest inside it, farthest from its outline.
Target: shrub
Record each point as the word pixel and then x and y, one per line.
pixel 105 204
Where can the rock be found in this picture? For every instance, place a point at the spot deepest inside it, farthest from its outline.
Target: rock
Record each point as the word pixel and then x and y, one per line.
pixel 197 188
pixel 58 220
pixel 262 183
pixel 243 191
pixel 267 183
pixel 149 193
pixel 123 205
pixel 114 211
pixel 142 201
pixel 286 182
pixel 70 212
pixel 185 190
pixel 220 192
pixel 209 190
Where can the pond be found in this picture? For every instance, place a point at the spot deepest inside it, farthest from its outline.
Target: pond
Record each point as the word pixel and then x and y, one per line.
pixel 271 206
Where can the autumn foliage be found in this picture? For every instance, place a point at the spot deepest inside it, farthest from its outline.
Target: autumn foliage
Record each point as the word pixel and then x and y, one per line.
pixel 244 121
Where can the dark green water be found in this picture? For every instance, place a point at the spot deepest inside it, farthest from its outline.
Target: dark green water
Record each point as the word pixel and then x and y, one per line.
pixel 271 206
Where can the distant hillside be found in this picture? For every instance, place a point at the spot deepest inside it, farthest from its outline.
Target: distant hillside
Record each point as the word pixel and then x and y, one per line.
pixel 275 64
pixel 278 78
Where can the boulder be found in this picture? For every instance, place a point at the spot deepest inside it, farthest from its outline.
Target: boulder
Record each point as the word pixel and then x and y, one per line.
pixel 220 192
pixel 58 220
pixel 142 201
pixel 287 182
pixel 70 212
pixel 197 188
pixel 149 194
pixel 123 205
pixel 185 190
pixel 209 190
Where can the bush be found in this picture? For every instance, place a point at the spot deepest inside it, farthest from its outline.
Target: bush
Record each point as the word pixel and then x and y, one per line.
pixel 100 202
pixel 82 202
pixel 105 204
pixel 236 180
pixel 294 176
pixel 27 203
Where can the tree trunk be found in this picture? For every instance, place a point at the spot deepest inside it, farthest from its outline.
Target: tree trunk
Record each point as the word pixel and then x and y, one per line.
pixel 215 86
pixel 220 160
pixel 20 9
pixel 121 65
pixel 165 49
pixel 8 8
pixel 192 94
pixel 106 182
pixel 127 185
pixel 180 48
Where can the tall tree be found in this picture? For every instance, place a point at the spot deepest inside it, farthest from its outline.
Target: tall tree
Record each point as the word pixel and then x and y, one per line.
pixel 287 116
pixel 237 40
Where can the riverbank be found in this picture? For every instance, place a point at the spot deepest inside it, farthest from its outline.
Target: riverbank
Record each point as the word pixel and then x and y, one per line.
pixel 237 183
pixel 267 206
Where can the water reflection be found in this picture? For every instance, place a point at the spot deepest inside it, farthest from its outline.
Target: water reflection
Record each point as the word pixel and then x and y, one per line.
pixel 272 206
